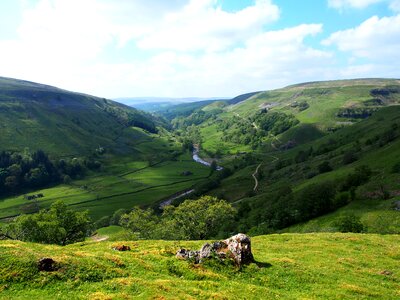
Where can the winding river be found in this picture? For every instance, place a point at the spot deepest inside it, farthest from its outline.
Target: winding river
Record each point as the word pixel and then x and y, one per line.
pixel 198 159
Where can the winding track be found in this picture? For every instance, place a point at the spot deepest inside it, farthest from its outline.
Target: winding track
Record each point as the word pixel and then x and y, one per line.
pixel 255 178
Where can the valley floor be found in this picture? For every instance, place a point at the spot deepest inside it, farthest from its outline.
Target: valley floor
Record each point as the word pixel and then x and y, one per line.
pixel 289 266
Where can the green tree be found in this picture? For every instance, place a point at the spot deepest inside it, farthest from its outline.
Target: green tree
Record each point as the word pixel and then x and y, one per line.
pixel 141 222
pixel 198 219
pixel 57 225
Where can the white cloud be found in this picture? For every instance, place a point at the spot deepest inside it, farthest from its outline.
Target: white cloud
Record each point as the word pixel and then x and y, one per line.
pixel 176 48
pixel 395 5
pixel 376 39
pixel 201 25
pixel 342 4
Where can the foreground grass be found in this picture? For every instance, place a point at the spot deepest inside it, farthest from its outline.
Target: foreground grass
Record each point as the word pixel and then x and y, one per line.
pixel 289 266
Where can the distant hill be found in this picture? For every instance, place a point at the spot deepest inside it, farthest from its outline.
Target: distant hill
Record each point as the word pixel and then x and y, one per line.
pixel 61 122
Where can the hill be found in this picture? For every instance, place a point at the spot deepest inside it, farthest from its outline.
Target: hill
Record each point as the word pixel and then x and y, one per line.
pixel 289 266
pixel 140 163
pixel 282 145
pixel 63 123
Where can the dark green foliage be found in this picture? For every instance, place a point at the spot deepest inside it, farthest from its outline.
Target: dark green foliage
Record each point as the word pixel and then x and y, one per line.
pixel 324 167
pixel 34 170
pixel 349 223
pixel 58 225
pixel 356 113
pixel 396 168
pixel 349 157
pixel 316 200
pixel 360 176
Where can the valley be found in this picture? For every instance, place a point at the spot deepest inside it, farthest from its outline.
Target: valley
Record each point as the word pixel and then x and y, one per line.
pixel 261 142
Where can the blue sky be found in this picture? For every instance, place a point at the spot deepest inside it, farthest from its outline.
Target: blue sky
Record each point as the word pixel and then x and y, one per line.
pixel 196 48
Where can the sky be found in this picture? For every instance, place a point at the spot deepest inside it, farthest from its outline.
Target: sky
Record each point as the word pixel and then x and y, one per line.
pixel 196 48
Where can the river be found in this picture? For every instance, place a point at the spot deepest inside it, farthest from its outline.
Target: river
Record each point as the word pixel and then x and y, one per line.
pixel 198 159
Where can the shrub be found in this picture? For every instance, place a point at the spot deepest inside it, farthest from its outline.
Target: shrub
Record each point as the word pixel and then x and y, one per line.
pixel 349 223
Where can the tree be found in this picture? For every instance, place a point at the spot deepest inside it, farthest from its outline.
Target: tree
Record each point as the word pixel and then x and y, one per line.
pixel 198 219
pixel 140 222
pixel 57 225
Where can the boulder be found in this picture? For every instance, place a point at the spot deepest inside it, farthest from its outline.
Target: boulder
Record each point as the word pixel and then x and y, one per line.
pixel 237 248
pixel 47 264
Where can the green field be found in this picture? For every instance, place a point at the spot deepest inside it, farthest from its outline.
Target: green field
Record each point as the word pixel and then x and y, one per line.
pixel 123 184
pixel 288 266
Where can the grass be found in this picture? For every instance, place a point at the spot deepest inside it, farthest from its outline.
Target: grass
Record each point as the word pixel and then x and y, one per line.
pixel 289 266
pixel 376 215
pixel 120 185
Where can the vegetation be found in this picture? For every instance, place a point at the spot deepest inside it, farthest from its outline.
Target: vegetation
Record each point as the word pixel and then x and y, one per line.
pixel 288 266
pixel 57 225
pixel 207 217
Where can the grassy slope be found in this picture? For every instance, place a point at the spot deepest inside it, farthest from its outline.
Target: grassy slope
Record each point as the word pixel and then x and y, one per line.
pixel 62 123
pixel 136 169
pixel 290 266
pixel 324 99
pixel 376 215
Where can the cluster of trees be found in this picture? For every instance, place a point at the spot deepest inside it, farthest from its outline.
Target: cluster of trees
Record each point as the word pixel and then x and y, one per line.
pixel 251 131
pixel 205 218
pixel 284 207
pixel 57 225
pixel 132 117
pixel 356 113
pixel 196 118
pixel 34 170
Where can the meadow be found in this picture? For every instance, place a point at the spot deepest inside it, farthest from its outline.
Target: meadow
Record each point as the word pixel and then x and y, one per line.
pixel 123 183
pixel 288 266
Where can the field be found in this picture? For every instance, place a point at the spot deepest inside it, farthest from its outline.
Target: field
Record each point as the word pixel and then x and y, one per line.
pixel 289 266
pixel 123 183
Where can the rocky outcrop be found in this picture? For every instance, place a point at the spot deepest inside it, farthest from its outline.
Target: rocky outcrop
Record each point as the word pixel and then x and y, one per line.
pixel 237 248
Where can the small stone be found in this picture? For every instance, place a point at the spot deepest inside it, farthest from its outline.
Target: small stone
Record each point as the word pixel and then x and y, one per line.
pixel 386 272
pixel 47 264
pixel 122 248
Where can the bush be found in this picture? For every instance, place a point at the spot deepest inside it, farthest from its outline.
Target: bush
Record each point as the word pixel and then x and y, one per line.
pixel 349 223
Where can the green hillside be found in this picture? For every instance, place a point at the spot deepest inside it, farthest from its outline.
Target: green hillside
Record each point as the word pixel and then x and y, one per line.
pixel 288 266
pixel 140 162
pixel 301 137
pixel 63 123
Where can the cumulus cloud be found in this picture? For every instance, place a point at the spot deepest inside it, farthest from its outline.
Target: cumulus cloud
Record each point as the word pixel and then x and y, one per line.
pixel 376 39
pixel 341 4
pixel 176 48
pixel 203 25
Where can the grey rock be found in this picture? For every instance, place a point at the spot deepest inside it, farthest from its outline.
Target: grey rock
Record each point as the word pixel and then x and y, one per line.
pixel 237 248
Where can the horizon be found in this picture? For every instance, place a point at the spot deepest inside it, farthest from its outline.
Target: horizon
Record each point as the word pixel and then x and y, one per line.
pixel 197 48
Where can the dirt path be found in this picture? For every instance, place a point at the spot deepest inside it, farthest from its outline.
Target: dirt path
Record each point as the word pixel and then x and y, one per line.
pixel 99 238
pixel 255 177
